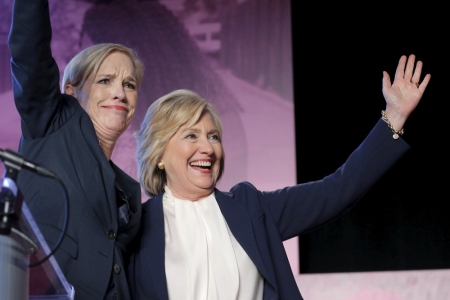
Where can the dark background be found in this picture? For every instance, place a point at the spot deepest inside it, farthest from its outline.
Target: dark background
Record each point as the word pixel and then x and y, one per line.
pixel 340 52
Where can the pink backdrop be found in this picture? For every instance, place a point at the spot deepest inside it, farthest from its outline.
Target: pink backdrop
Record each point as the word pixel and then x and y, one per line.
pixel 230 54
pixel 186 47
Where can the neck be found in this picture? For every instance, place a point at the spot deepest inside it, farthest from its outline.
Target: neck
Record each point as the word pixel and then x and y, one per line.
pixel 185 195
pixel 107 147
pixel 107 140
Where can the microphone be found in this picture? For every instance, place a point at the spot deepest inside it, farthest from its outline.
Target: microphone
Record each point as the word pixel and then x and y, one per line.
pixel 15 160
pixel 11 198
pixel 10 205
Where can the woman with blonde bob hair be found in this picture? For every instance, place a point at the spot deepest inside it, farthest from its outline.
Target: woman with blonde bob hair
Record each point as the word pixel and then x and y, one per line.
pixel 163 119
pixel 199 243
pixel 71 127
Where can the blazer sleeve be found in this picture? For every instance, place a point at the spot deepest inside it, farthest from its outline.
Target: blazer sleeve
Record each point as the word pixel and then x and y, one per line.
pixel 305 207
pixel 34 71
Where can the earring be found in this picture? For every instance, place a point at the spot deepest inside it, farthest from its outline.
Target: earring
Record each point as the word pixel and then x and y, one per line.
pixel 161 165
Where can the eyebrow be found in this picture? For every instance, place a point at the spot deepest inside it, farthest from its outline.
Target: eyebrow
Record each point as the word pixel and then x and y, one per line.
pixel 197 130
pixel 128 78
pixel 190 129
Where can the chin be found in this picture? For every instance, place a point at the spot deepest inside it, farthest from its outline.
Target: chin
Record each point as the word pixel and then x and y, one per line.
pixel 209 190
pixel 117 127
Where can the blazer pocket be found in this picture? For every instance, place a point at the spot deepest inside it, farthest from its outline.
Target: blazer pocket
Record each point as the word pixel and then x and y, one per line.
pixel 52 234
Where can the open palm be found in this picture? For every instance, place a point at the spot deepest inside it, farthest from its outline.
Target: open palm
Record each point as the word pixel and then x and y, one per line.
pixel 403 95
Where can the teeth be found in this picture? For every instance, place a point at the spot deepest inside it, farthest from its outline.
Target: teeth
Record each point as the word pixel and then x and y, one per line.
pixel 201 163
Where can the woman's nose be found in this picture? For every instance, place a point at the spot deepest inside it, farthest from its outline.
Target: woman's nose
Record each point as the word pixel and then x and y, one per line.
pixel 119 93
pixel 205 146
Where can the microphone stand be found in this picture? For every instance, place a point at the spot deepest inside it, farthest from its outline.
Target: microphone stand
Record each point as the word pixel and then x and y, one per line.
pixel 15 246
pixel 21 241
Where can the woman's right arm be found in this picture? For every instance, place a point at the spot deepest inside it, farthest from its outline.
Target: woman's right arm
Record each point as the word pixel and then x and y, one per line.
pixel 34 71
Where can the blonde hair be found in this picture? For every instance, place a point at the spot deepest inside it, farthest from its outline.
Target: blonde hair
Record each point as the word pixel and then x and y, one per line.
pixel 88 61
pixel 162 120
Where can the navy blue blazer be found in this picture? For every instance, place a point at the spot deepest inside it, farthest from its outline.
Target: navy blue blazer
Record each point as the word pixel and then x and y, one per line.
pixel 58 134
pixel 261 221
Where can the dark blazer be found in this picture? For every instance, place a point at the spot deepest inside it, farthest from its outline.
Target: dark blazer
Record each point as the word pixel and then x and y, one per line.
pixel 261 221
pixel 59 135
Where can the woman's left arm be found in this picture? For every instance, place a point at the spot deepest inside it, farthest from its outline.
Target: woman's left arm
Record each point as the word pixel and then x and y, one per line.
pixel 305 207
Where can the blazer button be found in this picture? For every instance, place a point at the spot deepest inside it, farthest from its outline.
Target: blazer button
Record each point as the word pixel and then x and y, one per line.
pixel 116 269
pixel 111 234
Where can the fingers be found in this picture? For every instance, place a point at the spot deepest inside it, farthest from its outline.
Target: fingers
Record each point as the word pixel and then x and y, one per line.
pixel 416 77
pixel 400 72
pixel 409 72
pixel 410 68
pixel 386 79
pixel 424 83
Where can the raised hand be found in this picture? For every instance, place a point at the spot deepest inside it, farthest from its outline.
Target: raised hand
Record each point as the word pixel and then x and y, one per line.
pixel 403 95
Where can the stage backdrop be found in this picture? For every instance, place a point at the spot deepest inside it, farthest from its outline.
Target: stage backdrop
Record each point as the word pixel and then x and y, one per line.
pixel 237 54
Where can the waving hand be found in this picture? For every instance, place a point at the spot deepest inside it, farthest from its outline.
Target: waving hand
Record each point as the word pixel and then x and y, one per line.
pixel 403 95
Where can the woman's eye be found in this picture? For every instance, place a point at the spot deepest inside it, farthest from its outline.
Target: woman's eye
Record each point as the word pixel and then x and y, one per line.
pixel 191 136
pixel 130 86
pixel 214 137
pixel 103 81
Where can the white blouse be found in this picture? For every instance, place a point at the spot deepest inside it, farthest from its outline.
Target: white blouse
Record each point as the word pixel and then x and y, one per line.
pixel 203 259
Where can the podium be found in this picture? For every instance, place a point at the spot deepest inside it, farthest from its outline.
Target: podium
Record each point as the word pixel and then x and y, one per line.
pixel 23 246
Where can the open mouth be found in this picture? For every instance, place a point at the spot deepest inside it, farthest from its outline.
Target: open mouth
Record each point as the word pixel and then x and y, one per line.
pixel 201 164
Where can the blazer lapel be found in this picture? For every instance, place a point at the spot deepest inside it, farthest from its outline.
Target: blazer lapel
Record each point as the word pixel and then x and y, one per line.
pixel 132 192
pixel 153 241
pixel 241 226
pixel 97 181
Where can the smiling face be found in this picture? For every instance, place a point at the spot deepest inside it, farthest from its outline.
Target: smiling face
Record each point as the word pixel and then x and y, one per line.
pixel 110 96
pixel 192 159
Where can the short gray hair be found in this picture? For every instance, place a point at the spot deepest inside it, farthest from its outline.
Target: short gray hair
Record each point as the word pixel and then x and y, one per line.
pixel 89 60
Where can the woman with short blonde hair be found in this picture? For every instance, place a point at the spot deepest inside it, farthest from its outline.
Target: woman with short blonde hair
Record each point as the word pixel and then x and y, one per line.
pixel 199 243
